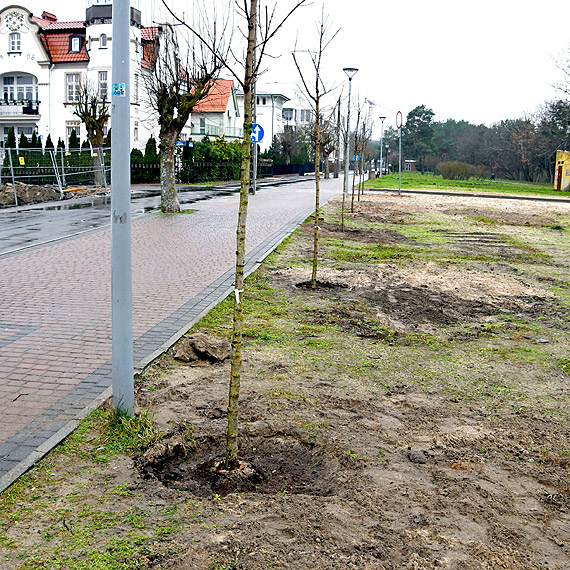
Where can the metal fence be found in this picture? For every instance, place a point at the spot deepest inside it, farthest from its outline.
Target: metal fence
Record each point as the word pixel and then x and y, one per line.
pixel 57 168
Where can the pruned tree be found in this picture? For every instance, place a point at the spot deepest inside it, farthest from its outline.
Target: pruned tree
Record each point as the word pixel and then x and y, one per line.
pixel 181 76
pixel 315 88
pixel 92 108
pixel 256 44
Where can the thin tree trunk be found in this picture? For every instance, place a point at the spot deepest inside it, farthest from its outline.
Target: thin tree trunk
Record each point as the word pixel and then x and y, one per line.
pixel 354 172
pixel 232 461
pixel 337 162
pixel 317 193
pixel 168 200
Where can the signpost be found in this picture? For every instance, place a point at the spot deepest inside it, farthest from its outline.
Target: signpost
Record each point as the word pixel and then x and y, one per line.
pixel 399 127
pixel 257 133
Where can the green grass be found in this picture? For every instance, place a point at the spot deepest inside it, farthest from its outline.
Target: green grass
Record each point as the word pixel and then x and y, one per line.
pixel 363 252
pixel 416 180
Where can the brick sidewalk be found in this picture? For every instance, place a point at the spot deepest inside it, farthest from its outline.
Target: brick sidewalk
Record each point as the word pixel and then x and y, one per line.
pixel 55 320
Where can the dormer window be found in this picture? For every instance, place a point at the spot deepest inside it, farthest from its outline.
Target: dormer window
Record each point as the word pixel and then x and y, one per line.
pixel 75 44
pixel 15 42
pixel 103 41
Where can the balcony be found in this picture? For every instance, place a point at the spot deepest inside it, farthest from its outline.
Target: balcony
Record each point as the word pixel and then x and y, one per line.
pixel 214 131
pixel 19 108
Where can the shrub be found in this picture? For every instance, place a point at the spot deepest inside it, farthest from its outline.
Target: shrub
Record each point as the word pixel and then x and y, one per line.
pixel 456 170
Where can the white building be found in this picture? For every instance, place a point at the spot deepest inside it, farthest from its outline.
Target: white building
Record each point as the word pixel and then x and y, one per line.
pixel 279 107
pixel 44 61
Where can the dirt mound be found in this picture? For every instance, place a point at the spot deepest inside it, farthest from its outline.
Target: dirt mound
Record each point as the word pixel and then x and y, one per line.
pixel 270 462
pixel 27 194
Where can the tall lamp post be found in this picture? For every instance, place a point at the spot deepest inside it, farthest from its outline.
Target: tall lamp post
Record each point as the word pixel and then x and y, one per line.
pixel 381 137
pixel 350 72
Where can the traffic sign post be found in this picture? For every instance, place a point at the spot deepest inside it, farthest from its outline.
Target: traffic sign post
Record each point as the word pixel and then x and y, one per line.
pixel 257 133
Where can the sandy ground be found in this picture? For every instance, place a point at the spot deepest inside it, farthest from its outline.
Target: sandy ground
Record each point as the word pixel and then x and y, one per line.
pixel 409 413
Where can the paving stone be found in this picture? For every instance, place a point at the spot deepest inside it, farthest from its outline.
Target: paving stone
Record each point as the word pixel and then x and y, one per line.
pixel 56 349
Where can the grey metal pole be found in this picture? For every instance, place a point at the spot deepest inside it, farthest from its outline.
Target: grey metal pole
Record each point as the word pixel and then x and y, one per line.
pixel 121 279
pixel 381 137
pixel 347 157
pixel 63 180
pixel 56 172
pixel 13 178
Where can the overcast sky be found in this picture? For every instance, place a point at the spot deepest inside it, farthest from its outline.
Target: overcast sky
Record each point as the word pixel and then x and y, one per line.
pixel 481 62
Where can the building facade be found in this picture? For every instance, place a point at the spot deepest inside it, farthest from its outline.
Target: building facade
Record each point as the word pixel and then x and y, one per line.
pixel 218 114
pixel 279 107
pixel 45 61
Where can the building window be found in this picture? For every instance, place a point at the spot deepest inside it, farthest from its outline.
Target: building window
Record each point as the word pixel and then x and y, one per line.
pixel 202 126
pixel 305 115
pixel 137 79
pixel 72 83
pixel 75 44
pixel 288 114
pixel 73 126
pixel 15 42
pixel 9 88
pixel 19 87
pixel 136 132
pixel 264 101
pixel 103 41
pixel 103 85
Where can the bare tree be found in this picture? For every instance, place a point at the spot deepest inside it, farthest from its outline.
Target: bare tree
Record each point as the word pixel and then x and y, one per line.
pixel 92 109
pixel 315 89
pixel 256 44
pixel 365 135
pixel 359 112
pixel 180 77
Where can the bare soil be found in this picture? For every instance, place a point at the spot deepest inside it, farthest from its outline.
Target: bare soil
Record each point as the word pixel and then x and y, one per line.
pixel 411 412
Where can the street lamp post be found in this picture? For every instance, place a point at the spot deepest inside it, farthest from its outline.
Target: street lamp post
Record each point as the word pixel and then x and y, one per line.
pixel 381 137
pixel 350 72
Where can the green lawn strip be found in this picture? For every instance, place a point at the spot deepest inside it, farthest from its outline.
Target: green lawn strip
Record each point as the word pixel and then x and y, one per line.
pixel 416 180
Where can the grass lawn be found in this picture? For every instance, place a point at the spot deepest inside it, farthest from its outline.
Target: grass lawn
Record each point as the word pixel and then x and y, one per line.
pixel 429 181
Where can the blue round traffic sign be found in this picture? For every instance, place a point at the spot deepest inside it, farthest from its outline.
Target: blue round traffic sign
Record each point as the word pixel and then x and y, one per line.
pixel 256 133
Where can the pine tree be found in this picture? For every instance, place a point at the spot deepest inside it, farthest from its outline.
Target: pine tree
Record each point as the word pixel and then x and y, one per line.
pixel 74 141
pixel 150 153
pixel 49 143
pixel 35 142
pixel 11 140
pixel 23 142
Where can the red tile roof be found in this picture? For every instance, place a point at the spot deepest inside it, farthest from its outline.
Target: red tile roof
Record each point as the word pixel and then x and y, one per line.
pixel 148 36
pixel 217 99
pixel 58 48
pixel 65 25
